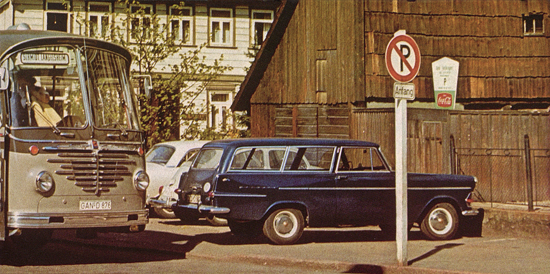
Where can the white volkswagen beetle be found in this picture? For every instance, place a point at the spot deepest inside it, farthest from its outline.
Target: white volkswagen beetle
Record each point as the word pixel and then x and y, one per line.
pixel 163 162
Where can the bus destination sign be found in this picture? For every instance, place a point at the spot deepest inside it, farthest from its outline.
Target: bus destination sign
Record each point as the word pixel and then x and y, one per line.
pixel 49 58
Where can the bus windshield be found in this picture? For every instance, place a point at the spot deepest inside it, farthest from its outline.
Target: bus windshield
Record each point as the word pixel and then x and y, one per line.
pixel 66 86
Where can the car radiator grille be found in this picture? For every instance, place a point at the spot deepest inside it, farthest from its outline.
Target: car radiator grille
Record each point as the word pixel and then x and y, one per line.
pixel 94 172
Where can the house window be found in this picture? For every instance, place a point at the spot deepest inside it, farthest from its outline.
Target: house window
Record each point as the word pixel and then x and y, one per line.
pixel 532 24
pixel 57 16
pixel 260 25
pixel 140 22
pixel 221 27
pixel 99 17
pixel 181 24
pixel 220 97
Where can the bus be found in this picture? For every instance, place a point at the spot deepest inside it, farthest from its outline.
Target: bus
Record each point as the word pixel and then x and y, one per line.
pixel 71 148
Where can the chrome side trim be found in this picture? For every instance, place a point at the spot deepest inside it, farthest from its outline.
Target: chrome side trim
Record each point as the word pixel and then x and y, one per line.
pixel 205 208
pixel 371 188
pixel 240 195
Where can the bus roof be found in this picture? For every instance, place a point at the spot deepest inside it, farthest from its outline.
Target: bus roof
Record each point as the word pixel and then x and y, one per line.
pixel 12 40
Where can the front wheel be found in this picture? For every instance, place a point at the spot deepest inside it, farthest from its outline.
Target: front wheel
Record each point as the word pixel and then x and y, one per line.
pixel 284 226
pixel 441 222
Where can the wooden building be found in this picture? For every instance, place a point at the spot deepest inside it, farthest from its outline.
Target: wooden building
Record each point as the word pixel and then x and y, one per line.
pixel 321 73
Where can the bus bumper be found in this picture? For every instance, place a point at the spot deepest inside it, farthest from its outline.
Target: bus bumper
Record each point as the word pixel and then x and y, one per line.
pixel 77 220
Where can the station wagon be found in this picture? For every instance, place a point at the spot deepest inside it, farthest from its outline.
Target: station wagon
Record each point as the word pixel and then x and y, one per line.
pixel 279 186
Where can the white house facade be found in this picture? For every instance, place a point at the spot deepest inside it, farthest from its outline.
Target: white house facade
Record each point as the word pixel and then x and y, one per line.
pixel 232 28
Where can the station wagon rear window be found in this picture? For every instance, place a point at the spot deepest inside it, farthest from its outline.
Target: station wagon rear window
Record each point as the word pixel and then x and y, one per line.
pixel 208 158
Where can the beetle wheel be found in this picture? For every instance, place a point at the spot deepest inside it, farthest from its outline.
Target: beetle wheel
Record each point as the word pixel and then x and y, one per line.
pixel 284 226
pixel 441 222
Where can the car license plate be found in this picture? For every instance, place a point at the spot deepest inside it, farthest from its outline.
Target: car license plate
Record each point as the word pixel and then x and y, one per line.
pixel 194 198
pixel 95 205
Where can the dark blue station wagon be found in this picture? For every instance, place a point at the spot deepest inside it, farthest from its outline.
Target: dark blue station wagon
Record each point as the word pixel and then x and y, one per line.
pixel 279 186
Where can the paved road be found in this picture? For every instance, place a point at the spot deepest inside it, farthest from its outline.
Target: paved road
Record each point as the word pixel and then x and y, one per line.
pixel 168 246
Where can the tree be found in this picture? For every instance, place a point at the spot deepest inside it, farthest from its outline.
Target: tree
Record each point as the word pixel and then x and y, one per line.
pixel 151 42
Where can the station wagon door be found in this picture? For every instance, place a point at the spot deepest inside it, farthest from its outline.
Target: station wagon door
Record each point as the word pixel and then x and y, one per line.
pixel 365 187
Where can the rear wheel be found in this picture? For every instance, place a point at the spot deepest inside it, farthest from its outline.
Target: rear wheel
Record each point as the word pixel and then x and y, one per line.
pixel 284 226
pixel 441 222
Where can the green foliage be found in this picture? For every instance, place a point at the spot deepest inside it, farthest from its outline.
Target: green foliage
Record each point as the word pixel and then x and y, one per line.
pixel 163 115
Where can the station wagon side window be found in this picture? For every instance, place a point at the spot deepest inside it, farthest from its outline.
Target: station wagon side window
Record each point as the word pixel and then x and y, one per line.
pixel 360 159
pixel 248 159
pixel 309 158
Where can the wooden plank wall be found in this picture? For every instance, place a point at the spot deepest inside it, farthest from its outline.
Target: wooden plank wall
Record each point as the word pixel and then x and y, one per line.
pixel 323 43
pixel 307 121
pixel 494 145
pixel 486 37
pixel 490 144
pixel 427 149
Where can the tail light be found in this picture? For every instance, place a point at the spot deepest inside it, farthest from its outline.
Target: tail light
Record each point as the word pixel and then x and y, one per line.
pixel 160 189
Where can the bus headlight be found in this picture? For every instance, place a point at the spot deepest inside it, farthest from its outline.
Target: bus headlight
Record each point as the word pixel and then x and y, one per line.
pixel 141 181
pixel 45 183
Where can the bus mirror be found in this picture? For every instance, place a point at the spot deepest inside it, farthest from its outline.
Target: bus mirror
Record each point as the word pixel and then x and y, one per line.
pixel 4 79
pixel 145 84
pixel 148 86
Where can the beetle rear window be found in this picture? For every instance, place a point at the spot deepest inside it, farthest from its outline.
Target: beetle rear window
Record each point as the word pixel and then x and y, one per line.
pixel 160 154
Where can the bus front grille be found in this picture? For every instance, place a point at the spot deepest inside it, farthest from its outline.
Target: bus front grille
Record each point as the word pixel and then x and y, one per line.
pixel 94 172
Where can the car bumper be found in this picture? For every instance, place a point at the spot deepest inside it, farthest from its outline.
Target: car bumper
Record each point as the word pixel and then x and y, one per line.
pixel 161 203
pixel 203 209
pixel 470 212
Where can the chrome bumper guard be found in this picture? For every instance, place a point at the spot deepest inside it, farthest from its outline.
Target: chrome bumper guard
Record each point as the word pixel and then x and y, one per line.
pixel 161 203
pixel 471 212
pixel 204 208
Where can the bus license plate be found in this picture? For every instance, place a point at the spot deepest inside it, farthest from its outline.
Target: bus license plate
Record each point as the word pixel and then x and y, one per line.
pixel 194 198
pixel 95 205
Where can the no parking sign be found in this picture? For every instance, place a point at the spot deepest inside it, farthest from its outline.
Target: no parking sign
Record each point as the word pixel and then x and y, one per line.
pixel 402 58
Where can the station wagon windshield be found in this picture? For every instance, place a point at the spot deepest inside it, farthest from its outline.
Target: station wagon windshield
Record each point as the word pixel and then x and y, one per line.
pixel 51 85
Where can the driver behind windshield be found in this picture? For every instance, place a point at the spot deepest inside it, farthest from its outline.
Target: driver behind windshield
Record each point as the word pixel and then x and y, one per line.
pixel 44 114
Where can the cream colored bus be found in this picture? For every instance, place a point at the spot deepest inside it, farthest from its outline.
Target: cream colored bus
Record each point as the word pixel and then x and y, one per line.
pixel 71 149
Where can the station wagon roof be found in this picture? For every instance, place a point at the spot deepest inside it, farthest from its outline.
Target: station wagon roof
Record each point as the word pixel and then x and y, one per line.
pixel 288 142
pixel 12 40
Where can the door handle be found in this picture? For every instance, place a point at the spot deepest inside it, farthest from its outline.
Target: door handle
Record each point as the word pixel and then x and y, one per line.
pixel 341 177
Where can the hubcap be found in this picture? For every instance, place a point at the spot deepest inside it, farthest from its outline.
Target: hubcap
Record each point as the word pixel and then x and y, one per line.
pixel 284 224
pixel 440 221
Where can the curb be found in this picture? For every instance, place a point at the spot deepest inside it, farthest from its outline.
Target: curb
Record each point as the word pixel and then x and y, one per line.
pixel 516 223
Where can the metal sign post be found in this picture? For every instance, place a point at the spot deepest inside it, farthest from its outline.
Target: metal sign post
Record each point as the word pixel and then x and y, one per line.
pixel 403 62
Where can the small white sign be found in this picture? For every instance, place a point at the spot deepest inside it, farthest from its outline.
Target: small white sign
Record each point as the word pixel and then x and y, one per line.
pixel 403 91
